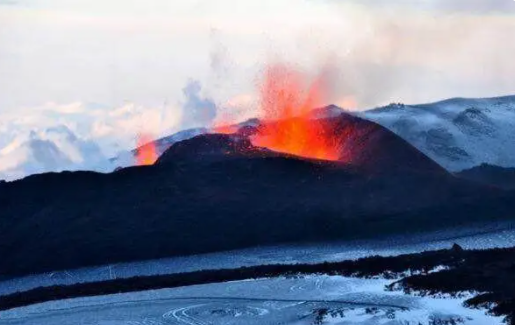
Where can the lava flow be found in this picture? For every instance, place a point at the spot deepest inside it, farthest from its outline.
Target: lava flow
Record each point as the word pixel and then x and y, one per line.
pixel 146 154
pixel 287 101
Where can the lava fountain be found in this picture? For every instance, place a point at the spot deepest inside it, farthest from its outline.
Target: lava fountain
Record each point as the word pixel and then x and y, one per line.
pixel 225 129
pixel 146 154
pixel 287 101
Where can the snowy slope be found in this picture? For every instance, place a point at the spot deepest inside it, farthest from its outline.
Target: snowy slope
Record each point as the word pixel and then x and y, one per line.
pixel 308 300
pixel 458 133
pixel 50 150
pixel 473 238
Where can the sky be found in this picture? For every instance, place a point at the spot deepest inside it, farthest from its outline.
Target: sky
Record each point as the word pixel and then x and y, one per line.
pixel 109 70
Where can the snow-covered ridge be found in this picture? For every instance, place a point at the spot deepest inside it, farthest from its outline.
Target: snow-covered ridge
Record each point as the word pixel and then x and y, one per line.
pixel 457 133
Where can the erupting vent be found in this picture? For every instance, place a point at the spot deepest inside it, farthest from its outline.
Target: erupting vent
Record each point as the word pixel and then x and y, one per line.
pixel 147 152
pixel 287 97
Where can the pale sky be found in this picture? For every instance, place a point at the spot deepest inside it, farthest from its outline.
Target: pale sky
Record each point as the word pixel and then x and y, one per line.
pixel 108 69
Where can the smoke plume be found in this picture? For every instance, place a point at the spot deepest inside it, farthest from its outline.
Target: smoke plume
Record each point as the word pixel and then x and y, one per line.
pixel 197 110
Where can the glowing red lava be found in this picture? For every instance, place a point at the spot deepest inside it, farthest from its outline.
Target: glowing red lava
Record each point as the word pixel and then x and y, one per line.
pixel 287 99
pixel 146 153
pixel 225 129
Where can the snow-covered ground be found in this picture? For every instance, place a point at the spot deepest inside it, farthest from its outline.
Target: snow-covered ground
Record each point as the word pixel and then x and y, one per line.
pixel 457 133
pixel 308 300
pixel 478 238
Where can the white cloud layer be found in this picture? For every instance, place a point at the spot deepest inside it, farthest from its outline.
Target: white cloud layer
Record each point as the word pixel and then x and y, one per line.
pixel 112 52
pixel 55 137
pixel 50 150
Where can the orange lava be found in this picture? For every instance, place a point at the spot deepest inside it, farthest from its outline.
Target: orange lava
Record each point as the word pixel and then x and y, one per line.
pixel 287 99
pixel 225 129
pixel 147 152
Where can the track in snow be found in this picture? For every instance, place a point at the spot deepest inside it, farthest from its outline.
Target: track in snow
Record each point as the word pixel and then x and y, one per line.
pixel 288 301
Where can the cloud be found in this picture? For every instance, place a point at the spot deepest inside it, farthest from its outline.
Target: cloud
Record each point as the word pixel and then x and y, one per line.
pixel 394 51
pixel 113 129
pixel 480 7
pixel 50 150
pixel 197 110
pixel 71 108
pixel 476 7
pixel 219 57
pixel 118 128
pixel 380 50
pixel 8 2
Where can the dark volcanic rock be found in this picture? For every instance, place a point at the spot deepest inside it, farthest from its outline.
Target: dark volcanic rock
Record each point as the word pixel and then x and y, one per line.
pixel 456 248
pixel 211 148
pixel 491 175
pixel 376 149
pixel 218 192
pixel 474 122
pixel 441 142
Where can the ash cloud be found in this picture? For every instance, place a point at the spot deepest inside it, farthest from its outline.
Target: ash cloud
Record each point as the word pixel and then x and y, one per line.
pixel 197 110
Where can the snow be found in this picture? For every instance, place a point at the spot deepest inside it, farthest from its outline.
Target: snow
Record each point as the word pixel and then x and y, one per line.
pixel 263 301
pixel 474 238
pixel 457 133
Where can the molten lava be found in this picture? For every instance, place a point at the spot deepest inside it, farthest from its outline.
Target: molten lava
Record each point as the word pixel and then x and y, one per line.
pixel 146 154
pixel 225 129
pixel 287 100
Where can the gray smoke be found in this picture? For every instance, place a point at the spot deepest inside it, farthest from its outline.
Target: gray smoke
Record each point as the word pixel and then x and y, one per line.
pixel 197 110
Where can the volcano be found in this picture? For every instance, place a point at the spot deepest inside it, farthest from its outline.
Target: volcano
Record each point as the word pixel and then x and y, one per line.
pixel 358 142
pixel 217 192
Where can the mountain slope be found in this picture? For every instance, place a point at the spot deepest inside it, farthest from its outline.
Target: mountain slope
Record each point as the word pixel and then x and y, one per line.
pixel 186 204
pixel 126 159
pixel 491 175
pixel 457 133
